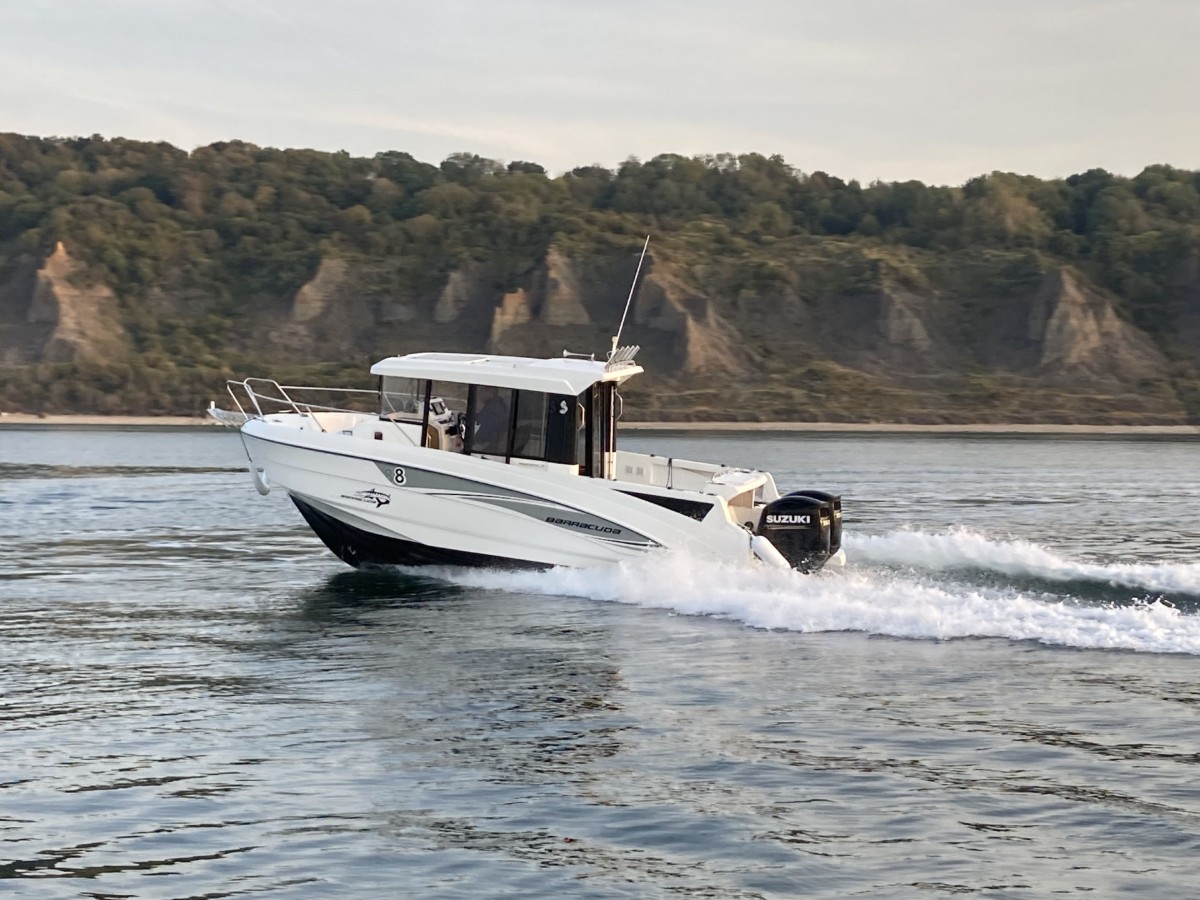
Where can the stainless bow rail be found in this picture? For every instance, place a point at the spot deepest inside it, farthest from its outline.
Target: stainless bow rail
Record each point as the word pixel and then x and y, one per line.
pixel 282 400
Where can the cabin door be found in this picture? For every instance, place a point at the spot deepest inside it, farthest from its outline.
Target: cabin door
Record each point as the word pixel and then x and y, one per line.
pixel 600 460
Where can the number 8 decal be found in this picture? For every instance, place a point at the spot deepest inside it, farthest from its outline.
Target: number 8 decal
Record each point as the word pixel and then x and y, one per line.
pixel 398 475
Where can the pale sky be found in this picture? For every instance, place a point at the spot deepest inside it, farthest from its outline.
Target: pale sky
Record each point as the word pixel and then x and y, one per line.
pixel 937 90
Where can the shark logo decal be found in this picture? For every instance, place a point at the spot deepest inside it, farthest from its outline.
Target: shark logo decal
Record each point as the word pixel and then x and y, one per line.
pixel 379 498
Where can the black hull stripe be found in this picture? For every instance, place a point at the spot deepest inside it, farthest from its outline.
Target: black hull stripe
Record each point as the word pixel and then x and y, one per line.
pixel 363 548
pixel 693 509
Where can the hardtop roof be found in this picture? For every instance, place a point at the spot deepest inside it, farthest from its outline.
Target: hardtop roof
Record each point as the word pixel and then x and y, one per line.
pixel 555 375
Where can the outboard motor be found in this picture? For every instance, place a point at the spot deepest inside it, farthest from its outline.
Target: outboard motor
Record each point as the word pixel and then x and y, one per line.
pixel 835 532
pixel 805 527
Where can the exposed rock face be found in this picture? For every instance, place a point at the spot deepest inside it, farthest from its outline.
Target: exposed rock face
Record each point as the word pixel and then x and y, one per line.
pixel 570 303
pixel 563 304
pixel 515 309
pixel 887 331
pixel 712 347
pixel 988 329
pixel 1063 329
pixel 454 298
pixel 46 316
pixel 900 323
pixel 314 297
pixel 681 320
pixel 1079 332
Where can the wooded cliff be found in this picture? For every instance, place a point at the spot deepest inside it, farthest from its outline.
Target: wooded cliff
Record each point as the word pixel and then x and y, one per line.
pixel 135 277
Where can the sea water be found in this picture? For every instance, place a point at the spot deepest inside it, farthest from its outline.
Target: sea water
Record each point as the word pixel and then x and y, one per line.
pixel 999 695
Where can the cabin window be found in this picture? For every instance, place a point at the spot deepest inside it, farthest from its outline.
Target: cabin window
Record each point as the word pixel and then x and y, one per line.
pixel 564 421
pixel 401 398
pixel 518 424
pixel 490 413
pixel 529 425
pixel 447 397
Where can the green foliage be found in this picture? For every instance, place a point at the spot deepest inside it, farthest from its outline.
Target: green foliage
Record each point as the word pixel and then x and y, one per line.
pixel 244 227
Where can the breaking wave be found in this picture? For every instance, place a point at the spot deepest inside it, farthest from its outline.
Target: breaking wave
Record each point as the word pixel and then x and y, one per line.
pixel 910 585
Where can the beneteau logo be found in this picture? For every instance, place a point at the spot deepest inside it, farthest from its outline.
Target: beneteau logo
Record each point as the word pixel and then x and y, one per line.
pixel 379 498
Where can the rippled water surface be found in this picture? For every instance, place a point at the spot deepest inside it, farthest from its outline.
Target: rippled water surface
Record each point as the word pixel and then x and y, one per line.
pixel 999 696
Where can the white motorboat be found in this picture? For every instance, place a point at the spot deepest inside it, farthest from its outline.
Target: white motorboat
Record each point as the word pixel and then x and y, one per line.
pixel 476 460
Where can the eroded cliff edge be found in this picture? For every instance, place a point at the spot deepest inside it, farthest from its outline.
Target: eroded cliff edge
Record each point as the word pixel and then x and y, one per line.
pixel 822 331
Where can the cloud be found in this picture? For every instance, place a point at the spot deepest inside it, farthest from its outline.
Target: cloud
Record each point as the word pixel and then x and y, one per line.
pixel 934 89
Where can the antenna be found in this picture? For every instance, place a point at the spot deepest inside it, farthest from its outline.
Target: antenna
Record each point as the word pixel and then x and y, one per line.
pixel 629 300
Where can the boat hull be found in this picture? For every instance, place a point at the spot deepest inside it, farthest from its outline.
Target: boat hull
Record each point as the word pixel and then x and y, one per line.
pixel 360 548
pixel 379 503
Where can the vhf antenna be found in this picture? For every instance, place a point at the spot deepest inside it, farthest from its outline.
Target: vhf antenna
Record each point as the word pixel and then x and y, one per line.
pixel 629 300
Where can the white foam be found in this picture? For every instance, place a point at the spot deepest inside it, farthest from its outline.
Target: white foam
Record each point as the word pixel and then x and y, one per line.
pixel 962 548
pixel 855 599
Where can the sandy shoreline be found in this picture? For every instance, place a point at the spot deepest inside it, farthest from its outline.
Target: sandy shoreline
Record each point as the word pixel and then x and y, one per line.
pixel 32 421
pixel 901 428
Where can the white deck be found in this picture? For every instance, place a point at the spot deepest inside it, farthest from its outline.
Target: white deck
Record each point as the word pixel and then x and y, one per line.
pixel 738 487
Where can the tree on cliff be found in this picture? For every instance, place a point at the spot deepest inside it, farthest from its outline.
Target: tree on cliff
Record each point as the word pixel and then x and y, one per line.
pixel 246 226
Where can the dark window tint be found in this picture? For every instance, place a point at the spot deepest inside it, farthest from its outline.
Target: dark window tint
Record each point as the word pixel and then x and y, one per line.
pixel 529 425
pixel 491 417
pixel 563 422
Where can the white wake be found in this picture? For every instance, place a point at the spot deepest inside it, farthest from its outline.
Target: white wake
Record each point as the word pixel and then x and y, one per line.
pixel 962 548
pixel 877 601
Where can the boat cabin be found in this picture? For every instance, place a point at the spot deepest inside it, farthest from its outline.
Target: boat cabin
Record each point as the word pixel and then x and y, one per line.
pixel 557 411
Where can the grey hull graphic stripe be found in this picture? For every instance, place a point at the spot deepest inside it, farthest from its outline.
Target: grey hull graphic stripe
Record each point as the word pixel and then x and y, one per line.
pixel 579 522
pixel 565 517
pixel 476 490
pixel 437 481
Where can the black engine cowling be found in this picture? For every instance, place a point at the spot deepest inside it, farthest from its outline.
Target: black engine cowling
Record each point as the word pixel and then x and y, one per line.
pixel 805 527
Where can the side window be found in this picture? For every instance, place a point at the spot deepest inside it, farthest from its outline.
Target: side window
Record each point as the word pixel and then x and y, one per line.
pixel 447 412
pixel 563 425
pixel 523 424
pixel 447 397
pixel 529 430
pixel 401 398
pixel 490 417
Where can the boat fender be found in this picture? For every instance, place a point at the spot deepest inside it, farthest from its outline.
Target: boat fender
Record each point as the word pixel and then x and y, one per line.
pixel 262 483
pixel 766 552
